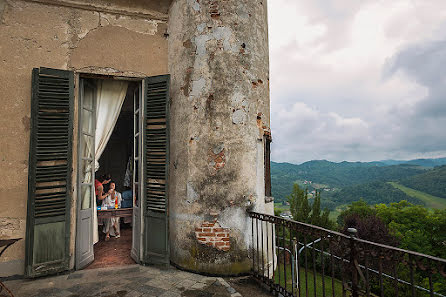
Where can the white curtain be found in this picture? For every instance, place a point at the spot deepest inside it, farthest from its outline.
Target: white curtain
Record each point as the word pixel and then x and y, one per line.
pixel 109 100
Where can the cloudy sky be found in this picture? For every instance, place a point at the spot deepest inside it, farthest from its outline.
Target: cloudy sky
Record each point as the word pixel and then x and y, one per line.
pixel 357 80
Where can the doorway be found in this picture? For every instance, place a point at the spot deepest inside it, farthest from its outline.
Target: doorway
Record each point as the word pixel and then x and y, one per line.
pixel 49 211
pixel 108 150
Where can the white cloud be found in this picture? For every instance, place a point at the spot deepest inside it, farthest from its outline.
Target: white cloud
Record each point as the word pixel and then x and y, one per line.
pixel 337 84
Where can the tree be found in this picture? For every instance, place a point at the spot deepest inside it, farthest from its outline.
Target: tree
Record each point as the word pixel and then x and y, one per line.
pixel 316 209
pixel 360 208
pixel 370 228
pixel 363 218
pixel 418 228
pixel 299 206
pixel 302 212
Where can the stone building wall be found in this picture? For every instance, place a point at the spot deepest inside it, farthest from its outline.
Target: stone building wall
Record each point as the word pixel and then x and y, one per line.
pixel 218 60
pixel 125 38
pixel 217 55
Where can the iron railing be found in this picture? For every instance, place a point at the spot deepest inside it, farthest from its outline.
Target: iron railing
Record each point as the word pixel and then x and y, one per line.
pixel 298 259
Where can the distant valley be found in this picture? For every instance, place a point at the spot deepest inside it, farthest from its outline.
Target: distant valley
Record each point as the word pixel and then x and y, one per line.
pixel 421 181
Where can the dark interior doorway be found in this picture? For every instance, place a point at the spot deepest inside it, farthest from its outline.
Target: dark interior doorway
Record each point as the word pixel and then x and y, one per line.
pixel 116 156
pixel 117 161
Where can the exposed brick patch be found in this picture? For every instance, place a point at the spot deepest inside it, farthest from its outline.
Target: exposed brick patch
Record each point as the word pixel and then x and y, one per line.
pixel 217 157
pixel 213 9
pixel 212 234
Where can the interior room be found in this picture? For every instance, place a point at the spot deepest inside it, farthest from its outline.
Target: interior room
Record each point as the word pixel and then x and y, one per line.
pixel 116 161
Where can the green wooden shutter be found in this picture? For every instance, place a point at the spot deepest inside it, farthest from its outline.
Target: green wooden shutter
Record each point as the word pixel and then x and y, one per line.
pixel 155 171
pixel 49 176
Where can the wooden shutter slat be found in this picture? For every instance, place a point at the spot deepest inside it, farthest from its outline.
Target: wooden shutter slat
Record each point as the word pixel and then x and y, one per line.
pixel 51 195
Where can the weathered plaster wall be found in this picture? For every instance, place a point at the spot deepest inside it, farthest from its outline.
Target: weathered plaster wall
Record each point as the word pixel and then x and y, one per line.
pixel 218 60
pixel 66 37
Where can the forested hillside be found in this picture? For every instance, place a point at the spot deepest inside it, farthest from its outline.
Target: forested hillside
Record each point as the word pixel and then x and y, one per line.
pixel 345 182
pixel 330 175
pixel 373 193
pixel 432 182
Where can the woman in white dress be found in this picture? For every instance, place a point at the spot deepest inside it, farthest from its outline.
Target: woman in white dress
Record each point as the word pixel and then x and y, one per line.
pixel 110 201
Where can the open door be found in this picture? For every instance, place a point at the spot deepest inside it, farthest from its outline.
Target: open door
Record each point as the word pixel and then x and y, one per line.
pixel 136 186
pixel 86 166
pixel 155 169
pixel 49 175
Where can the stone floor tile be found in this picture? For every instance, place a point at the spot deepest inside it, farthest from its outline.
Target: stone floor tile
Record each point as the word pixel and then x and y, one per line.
pixel 151 272
pixel 199 286
pixel 89 288
pixel 134 269
pixel 137 279
pixel 133 294
pixel 162 284
pixel 146 289
pixel 194 276
pixel 75 276
pixel 182 275
pixel 53 292
pixel 170 294
pixel 187 283
pixel 208 280
pixel 171 280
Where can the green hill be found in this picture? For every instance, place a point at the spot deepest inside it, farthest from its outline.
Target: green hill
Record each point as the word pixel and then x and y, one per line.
pixel 375 182
pixel 432 182
pixel 373 193
pixel 334 175
pixel 419 162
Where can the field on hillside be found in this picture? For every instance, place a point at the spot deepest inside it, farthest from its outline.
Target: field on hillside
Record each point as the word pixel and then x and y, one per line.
pixel 429 200
pixel 334 214
pixel 281 207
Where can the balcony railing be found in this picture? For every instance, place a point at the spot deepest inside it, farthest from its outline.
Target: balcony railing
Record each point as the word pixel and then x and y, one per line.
pixel 298 259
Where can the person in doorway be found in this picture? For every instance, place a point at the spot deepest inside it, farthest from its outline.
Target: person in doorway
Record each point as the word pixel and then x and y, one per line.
pixel 99 187
pixel 113 200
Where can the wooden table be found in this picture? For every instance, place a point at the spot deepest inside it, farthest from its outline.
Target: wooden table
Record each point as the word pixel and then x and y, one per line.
pixel 6 243
pixel 125 213
pixel 120 212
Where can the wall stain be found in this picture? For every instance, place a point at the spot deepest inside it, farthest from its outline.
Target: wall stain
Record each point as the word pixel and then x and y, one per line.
pixel 26 121
pixel 2 9
pixel 187 81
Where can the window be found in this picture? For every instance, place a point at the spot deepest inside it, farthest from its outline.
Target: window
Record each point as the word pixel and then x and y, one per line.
pixel 267 152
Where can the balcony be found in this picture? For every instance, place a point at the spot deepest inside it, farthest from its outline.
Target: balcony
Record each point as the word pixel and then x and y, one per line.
pixel 289 258
pixel 297 259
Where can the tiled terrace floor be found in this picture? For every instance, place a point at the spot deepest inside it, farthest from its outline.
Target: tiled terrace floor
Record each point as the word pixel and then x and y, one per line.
pixel 126 281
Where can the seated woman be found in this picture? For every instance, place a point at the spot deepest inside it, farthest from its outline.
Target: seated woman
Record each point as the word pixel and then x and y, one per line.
pixel 111 201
